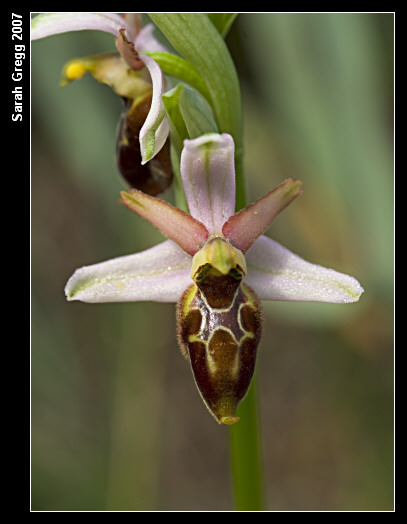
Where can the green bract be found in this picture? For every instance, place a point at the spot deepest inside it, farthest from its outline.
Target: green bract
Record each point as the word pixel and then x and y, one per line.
pixel 197 40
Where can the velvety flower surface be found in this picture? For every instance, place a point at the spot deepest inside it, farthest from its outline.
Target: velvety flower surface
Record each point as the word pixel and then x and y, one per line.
pixel 163 272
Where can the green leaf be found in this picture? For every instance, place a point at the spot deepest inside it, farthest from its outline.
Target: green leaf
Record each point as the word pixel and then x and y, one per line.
pixel 188 114
pixel 189 117
pixel 197 115
pixel 178 133
pixel 178 129
pixel 222 21
pixel 194 36
pixel 180 68
pixel 180 198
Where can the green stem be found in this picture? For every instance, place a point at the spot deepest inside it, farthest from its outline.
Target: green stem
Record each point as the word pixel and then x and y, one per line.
pixel 245 449
pixel 198 40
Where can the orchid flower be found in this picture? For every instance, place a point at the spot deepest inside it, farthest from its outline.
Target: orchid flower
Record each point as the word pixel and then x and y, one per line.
pixel 119 71
pixel 217 265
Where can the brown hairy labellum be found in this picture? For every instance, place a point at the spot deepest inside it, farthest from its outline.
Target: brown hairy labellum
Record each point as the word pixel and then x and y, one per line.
pixel 219 328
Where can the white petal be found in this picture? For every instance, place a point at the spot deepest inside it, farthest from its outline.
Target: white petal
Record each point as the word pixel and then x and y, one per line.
pixel 47 24
pixel 155 129
pixel 275 273
pixel 146 41
pixel 160 274
pixel 208 176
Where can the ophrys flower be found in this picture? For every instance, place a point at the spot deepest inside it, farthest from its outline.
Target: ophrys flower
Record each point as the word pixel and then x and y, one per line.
pixel 136 78
pixel 217 265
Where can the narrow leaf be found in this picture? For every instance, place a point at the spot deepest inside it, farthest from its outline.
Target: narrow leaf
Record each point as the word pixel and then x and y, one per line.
pixel 196 113
pixel 178 133
pixel 178 129
pixel 182 69
pixel 195 37
pixel 222 21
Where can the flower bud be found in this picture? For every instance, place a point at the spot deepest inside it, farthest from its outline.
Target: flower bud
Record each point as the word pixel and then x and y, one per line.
pixel 155 176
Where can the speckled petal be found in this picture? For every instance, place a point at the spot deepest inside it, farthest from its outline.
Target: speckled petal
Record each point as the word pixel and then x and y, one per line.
pixel 275 273
pixel 160 274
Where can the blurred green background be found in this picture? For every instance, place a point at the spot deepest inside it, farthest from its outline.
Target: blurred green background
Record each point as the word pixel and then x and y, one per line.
pixel 117 423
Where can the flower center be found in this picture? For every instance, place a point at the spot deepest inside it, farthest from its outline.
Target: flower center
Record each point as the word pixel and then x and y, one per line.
pixel 221 257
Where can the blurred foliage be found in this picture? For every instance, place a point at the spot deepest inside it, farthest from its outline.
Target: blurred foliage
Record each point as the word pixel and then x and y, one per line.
pixel 117 423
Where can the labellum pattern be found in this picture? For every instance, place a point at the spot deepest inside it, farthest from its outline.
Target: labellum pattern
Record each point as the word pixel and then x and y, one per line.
pixel 219 329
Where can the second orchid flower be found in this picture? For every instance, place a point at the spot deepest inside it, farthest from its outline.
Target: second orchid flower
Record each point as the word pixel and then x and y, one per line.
pixel 142 150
